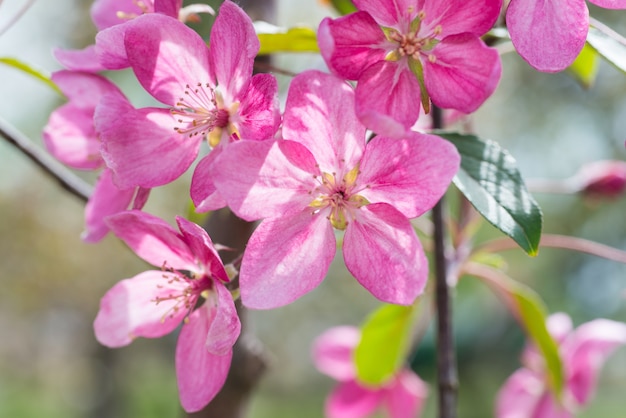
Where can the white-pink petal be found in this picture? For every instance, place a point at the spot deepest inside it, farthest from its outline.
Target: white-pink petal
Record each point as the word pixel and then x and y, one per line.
pixel 332 352
pixel 350 400
pixel 224 327
pixel 406 396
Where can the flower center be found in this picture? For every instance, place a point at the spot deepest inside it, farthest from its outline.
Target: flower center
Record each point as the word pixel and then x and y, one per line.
pixel 198 111
pixel 144 6
pixel 339 197
pixel 412 43
pixel 185 298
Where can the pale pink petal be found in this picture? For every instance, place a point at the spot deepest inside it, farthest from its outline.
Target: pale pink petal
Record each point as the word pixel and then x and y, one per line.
pixel 548 407
pixel 104 13
pixel 204 194
pixel 390 13
pixel 587 350
pixel 200 374
pixel 259 111
pixel 383 253
pixel 247 172
pixel 387 98
pixel 460 16
pixel 410 174
pixel 286 257
pixel 168 7
pixel 79 59
pixel 350 400
pixel 610 4
pixel 129 309
pixel 224 326
pixel 110 49
pixel 319 113
pixel 84 90
pixel 332 352
pixel 352 43
pixel 406 396
pixel 548 34
pixel 464 74
pixel 141 198
pixel 202 248
pixel 141 146
pixel 234 45
pixel 153 239
pixel 107 199
pixel 166 56
pixel 519 396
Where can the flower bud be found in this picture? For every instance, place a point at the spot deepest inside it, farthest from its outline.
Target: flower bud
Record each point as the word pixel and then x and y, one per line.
pixel 603 178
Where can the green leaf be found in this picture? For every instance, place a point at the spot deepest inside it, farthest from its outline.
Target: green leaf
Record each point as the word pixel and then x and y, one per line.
pixel 609 44
pixel 385 341
pixel 585 68
pixel 490 180
pixel 276 39
pixel 343 7
pixel 15 63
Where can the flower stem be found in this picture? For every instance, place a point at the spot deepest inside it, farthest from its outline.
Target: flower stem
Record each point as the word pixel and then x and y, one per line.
pixel 446 361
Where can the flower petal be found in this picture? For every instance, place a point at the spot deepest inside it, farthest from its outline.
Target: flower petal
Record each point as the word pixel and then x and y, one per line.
pixel 383 253
pixel 350 400
pixel 224 326
pixel 168 7
pixel 200 374
pixel 332 352
pixel 410 174
pixel 79 59
pixel 519 396
pixel 202 248
pixel 319 114
pixel 406 396
pixel 461 16
pixel 610 4
pixel 129 309
pixel 106 13
pixel 286 257
pixel 464 74
pixel 110 48
pixel 258 116
pixel 548 34
pixel 204 194
pixel 390 13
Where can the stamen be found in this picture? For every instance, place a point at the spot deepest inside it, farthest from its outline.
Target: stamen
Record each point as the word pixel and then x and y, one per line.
pixel 198 111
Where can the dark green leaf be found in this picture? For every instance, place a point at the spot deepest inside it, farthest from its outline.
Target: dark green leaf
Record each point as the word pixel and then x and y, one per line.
pixel 15 63
pixel 490 180
pixel 609 44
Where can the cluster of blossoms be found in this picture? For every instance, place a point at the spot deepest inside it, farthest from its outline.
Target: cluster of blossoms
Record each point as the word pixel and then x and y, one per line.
pixel 305 173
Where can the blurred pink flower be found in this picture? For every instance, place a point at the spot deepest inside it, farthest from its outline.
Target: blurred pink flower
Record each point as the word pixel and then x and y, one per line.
pixel 155 302
pixel 583 351
pixel 399 50
pixel 403 396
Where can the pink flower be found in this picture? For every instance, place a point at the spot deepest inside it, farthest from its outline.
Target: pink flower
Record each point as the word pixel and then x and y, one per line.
pixel 155 302
pixel 70 136
pixel 583 351
pixel 210 93
pixel 323 175
pixel 403 396
pixel 399 50
pixel 549 35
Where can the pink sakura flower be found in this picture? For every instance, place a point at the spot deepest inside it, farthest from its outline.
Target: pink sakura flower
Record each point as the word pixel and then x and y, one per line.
pixel 70 136
pixel 583 351
pixel 209 92
pixel 188 288
pixel 403 396
pixel 399 50
pixel 323 175
pixel 549 35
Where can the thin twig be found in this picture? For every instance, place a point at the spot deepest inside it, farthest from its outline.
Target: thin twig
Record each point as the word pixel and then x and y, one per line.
pixel 68 180
pixel 17 16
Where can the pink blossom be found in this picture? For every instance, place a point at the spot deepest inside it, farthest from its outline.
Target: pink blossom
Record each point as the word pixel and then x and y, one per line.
pixel 403 396
pixel 549 35
pixel 583 351
pixel 155 302
pixel 321 176
pixel 209 93
pixel 399 50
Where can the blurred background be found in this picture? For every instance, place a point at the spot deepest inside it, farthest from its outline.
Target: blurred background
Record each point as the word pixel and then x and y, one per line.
pixel 51 282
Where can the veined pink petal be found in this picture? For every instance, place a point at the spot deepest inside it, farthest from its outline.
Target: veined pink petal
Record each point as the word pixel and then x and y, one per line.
pixel 82 89
pixel 387 98
pixel 390 13
pixel 461 16
pixel 332 352
pixel 234 45
pixel 258 117
pixel 104 13
pixel 79 59
pixel 351 43
pixel 383 253
pixel 153 239
pixel 548 34
pixel 224 326
pixel 249 172
pixel 586 351
pixel 140 145
pixel 610 4
pixel 286 257
pixel 168 7
pixel 200 374
pixel 519 396
pixel 129 309
pixel 110 49
pixel 410 174
pixel 406 396
pixel 319 113
pixel 203 191
pixel 464 74
pixel 350 400
pixel 107 199
pixel 202 248
pixel 166 56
